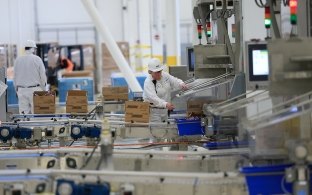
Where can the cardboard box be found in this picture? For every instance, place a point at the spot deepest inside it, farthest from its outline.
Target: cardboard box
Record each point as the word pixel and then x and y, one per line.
pixel 195 106
pixel 77 101
pixel 109 64
pixel 83 73
pixel 115 93
pixel 77 109
pixel 122 96
pixel 44 102
pixel 137 112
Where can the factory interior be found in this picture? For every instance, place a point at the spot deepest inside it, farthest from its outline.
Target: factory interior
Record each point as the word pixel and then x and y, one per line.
pixel 137 97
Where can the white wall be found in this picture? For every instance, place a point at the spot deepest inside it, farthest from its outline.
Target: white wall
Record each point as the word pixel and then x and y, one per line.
pixel 66 21
pixel 16 21
pixel 253 21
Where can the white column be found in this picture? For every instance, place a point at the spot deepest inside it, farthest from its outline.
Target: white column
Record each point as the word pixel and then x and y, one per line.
pixel 130 26
pixel 194 26
pixel 137 26
pixel 99 60
pixel 143 47
pixel 173 41
pixel 156 26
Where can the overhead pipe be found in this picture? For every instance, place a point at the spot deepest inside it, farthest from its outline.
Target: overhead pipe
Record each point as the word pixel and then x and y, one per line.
pixel 112 46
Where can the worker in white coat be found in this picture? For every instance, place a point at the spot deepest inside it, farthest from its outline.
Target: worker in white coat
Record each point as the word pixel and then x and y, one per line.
pixel 29 76
pixel 157 90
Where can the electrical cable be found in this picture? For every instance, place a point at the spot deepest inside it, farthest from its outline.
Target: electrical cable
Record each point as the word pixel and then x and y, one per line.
pixel 260 5
pixel 99 163
pixel 274 21
pixel 89 158
pixel 71 143
pixel 286 2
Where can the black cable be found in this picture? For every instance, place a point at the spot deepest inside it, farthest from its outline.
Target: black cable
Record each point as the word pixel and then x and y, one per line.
pixel 274 21
pixel 261 5
pixel 71 143
pixel 99 163
pixel 286 2
pixel 89 158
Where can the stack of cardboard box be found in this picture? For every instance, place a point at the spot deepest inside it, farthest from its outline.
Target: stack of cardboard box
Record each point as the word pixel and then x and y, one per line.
pixel 115 93
pixel 44 102
pixel 77 101
pixel 109 64
pixel 137 112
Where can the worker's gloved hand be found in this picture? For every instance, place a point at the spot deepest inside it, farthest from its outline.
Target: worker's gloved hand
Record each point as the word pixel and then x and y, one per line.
pixel 169 106
pixel 184 86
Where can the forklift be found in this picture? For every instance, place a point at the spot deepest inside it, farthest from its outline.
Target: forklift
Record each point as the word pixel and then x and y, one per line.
pixel 51 54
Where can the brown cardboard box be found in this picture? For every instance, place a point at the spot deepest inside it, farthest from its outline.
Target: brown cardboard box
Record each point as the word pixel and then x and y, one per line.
pixel 122 96
pixel 44 102
pixel 77 109
pixel 195 106
pixel 115 93
pixel 137 112
pixel 83 73
pixel 77 101
pixel 109 64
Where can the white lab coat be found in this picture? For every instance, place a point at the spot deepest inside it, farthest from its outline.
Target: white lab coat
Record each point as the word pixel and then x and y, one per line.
pixel 164 86
pixel 29 71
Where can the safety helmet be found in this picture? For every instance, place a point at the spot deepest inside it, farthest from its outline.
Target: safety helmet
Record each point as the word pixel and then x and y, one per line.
pixel 30 43
pixel 154 65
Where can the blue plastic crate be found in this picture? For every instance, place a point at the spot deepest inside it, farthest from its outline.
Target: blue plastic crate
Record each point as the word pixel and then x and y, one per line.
pixel 77 83
pixel 267 180
pixel 226 145
pixel 119 81
pixel 12 96
pixel 190 127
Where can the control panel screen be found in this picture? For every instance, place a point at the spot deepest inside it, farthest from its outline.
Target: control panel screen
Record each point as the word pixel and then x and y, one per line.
pixel 260 60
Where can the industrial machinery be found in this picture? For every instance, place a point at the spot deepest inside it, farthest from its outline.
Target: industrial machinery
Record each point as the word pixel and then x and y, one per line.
pixel 215 65
pixel 46 133
pixel 3 94
pixel 108 155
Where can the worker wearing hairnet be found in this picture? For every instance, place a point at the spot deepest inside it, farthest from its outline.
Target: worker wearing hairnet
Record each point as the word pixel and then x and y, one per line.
pixel 157 90
pixel 29 76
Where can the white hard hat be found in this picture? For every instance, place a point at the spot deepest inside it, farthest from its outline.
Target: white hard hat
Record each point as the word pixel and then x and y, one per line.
pixel 30 43
pixel 154 65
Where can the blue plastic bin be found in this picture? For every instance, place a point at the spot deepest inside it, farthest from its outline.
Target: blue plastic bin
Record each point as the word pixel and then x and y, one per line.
pixel 77 83
pixel 190 127
pixel 267 180
pixel 118 80
pixel 12 96
pixel 226 144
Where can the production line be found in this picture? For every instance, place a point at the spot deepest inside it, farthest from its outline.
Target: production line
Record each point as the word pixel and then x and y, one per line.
pixel 242 129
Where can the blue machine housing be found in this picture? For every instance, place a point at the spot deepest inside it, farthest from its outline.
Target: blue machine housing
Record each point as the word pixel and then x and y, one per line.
pixel 83 188
pixel 94 189
pixel 93 132
pixel 77 135
pixel 4 137
pixel 22 133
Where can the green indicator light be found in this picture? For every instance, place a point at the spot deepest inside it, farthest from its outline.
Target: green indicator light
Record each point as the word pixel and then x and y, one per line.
pixel 267 23
pixel 293 19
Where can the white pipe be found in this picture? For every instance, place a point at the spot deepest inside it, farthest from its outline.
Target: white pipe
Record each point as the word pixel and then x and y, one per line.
pixel 108 173
pixel 130 152
pixel 112 46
